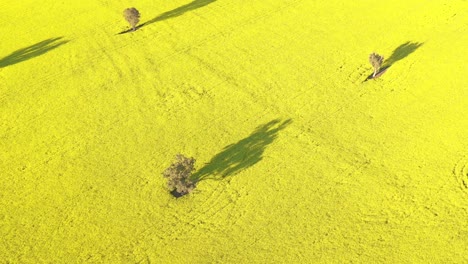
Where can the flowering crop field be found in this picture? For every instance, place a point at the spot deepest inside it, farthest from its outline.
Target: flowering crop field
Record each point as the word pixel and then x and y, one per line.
pixel 301 158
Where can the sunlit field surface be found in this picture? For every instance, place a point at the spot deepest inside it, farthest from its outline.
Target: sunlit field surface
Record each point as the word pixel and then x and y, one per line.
pixel 301 159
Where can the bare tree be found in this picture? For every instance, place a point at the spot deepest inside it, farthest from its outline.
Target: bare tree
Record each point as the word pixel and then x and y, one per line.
pixel 178 175
pixel 132 16
pixel 376 61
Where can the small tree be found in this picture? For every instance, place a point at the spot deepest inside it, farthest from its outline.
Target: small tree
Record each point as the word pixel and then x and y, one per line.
pixel 376 61
pixel 178 175
pixel 132 16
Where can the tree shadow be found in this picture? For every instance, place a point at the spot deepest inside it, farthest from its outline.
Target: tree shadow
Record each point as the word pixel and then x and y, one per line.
pixel 398 54
pixel 401 52
pixel 130 30
pixel 243 154
pixel 32 51
pixel 195 4
pixel 379 73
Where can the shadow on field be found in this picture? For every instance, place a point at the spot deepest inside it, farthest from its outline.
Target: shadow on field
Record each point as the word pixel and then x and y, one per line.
pixel 401 52
pixel 243 154
pixel 174 13
pixel 398 54
pixel 130 30
pixel 32 51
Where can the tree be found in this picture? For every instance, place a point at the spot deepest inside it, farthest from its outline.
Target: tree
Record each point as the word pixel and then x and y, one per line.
pixel 179 176
pixel 132 16
pixel 376 61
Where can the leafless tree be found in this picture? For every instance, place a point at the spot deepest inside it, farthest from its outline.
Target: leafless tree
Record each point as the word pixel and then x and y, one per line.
pixel 376 61
pixel 178 175
pixel 132 16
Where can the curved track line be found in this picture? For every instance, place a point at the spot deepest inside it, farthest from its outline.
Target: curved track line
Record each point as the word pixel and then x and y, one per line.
pixel 460 171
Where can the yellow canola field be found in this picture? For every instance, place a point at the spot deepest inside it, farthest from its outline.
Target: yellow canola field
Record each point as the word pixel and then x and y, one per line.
pixel 301 160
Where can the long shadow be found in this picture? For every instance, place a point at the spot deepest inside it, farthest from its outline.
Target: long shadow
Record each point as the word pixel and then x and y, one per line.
pixel 32 51
pixel 398 54
pixel 401 52
pixel 243 154
pixel 174 13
